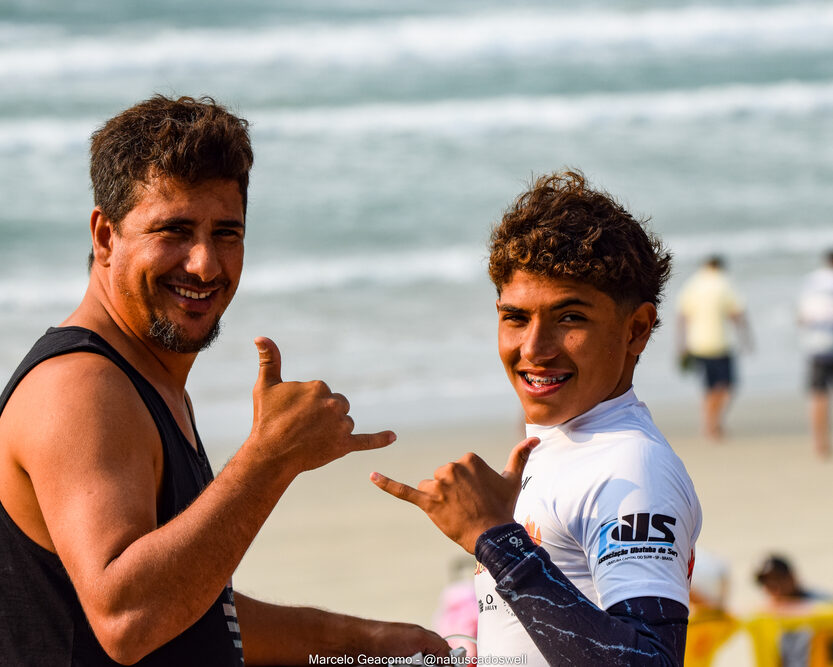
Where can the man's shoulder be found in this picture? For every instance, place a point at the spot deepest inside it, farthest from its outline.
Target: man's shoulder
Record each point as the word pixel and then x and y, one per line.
pixel 77 374
pixel 82 392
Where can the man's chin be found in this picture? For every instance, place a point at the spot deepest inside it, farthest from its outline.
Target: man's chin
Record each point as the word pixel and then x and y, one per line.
pixel 173 337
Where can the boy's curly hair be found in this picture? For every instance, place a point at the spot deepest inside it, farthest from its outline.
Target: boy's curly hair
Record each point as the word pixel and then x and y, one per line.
pixel 562 228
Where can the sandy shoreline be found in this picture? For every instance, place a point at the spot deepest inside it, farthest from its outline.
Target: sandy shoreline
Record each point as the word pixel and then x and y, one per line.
pixel 337 542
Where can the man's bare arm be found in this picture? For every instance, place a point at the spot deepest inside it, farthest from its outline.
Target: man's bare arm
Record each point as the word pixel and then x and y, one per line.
pixel 274 634
pixel 93 461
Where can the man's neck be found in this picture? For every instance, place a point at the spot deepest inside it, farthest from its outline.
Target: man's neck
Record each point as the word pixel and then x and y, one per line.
pixel 160 366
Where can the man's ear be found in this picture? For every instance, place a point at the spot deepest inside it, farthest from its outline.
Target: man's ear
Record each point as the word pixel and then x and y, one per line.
pixel 102 232
pixel 641 324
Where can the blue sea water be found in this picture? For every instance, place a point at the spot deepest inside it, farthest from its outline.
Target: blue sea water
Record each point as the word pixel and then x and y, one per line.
pixel 390 136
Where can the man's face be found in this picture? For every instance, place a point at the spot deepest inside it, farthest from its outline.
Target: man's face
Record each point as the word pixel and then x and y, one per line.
pixel 176 261
pixel 566 346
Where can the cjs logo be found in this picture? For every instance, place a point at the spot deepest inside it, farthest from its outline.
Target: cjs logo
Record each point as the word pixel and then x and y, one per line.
pixel 640 527
pixel 634 528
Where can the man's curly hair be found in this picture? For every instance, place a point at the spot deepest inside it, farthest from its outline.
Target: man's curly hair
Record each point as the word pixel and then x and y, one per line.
pixel 562 228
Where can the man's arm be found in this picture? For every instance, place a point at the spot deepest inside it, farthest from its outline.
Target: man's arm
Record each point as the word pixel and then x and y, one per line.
pixel 275 634
pixel 92 463
pixel 567 627
pixel 473 505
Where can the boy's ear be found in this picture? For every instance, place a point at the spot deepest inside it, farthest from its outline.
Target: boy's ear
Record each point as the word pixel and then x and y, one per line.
pixel 101 230
pixel 641 324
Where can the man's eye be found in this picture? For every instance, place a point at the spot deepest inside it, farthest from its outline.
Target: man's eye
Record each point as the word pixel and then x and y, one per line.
pixel 573 317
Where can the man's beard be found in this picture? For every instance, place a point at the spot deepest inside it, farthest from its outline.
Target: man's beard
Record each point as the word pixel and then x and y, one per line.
pixel 172 337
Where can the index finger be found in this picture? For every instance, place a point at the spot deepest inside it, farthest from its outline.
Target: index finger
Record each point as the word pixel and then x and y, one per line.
pixel 398 489
pixel 362 441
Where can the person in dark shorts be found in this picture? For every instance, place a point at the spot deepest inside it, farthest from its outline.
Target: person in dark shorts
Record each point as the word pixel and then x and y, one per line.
pixel 117 545
pixel 707 304
pixel 815 318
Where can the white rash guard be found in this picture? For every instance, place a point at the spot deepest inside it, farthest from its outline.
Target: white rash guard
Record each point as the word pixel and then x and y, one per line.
pixel 614 507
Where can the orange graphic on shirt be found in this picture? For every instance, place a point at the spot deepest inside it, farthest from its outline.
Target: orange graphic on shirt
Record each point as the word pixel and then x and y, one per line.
pixel 533 530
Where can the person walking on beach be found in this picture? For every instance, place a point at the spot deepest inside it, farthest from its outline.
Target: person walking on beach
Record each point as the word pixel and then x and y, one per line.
pixel 585 542
pixel 815 318
pixel 707 304
pixel 116 545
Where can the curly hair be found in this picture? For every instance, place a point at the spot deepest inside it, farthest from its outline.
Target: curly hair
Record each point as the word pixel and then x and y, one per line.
pixel 561 227
pixel 188 139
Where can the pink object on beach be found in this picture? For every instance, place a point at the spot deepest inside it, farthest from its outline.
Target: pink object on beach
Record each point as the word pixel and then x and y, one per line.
pixel 457 615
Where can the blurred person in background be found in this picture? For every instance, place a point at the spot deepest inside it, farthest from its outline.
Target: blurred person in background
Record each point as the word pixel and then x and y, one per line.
pixel 815 319
pixel 707 303
pixel 786 596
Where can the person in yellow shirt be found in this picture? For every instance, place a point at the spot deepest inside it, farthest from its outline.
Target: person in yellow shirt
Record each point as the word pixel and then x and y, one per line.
pixel 707 304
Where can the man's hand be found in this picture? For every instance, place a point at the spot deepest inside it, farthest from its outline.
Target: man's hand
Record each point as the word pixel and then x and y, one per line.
pixel 302 425
pixel 405 640
pixel 467 497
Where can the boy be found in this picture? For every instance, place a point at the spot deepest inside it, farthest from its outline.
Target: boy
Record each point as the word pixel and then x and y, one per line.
pixel 594 566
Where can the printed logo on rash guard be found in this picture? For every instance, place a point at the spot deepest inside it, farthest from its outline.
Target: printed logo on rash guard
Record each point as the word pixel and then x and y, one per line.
pixel 533 530
pixel 637 536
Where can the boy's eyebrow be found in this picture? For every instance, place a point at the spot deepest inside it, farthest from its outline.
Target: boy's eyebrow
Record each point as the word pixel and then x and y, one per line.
pixel 558 305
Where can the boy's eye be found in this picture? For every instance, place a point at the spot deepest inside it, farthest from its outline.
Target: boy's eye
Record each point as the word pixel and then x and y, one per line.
pixel 573 317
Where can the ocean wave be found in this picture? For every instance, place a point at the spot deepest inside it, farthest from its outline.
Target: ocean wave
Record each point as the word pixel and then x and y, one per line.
pixel 792 99
pixel 556 112
pixel 489 34
pixel 748 244
pixel 461 264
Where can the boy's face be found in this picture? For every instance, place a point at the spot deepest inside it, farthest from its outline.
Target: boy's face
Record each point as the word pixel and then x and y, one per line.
pixel 566 346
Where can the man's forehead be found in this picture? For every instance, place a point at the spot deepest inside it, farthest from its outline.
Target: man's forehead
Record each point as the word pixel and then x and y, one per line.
pixel 170 193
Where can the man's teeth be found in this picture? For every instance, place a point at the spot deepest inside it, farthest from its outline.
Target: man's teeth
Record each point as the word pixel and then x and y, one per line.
pixel 191 295
pixel 540 380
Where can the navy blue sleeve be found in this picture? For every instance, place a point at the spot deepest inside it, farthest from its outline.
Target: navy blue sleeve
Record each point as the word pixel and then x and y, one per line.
pixel 567 627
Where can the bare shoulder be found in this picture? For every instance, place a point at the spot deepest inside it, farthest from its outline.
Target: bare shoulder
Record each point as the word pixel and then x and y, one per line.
pixel 75 397
pixel 75 426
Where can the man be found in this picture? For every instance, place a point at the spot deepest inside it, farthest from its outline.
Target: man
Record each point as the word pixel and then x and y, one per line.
pixel 115 544
pixel 707 303
pixel 591 566
pixel 815 317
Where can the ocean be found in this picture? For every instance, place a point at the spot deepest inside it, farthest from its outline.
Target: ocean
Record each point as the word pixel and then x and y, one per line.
pixel 389 136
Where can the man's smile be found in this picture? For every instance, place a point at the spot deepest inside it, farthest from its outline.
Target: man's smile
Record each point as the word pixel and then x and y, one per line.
pixel 194 298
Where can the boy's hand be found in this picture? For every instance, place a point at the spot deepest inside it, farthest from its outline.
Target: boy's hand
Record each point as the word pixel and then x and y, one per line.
pixel 466 497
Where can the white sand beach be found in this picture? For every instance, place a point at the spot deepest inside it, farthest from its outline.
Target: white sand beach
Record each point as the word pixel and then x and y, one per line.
pixel 335 541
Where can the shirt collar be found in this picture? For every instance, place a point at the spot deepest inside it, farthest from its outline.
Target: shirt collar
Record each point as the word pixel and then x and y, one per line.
pixel 585 420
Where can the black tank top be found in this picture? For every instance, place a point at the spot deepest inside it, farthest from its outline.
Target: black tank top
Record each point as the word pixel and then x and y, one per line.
pixel 41 620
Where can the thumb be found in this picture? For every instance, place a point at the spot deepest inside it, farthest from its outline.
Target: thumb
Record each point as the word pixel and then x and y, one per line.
pixel 518 458
pixel 269 359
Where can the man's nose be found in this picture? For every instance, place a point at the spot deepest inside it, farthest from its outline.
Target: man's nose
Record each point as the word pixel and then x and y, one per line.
pixel 203 261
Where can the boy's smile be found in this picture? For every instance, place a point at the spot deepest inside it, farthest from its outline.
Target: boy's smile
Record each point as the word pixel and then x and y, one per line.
pixel 566 346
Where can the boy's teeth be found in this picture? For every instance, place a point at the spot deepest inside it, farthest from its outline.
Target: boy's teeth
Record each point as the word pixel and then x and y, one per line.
pixel 535 379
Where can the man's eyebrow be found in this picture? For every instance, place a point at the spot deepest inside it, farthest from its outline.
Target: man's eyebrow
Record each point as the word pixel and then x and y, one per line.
pixel 231 222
